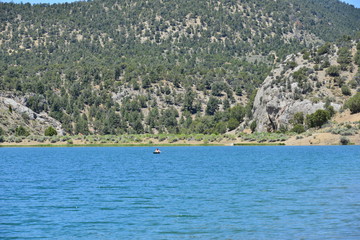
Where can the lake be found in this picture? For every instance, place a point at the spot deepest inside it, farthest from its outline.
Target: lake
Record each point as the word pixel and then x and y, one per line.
pixel 274 192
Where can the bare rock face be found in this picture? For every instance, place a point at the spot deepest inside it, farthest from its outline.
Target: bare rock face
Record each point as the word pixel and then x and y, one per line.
pixel 23 115
pixel 280 97
pixel 273 109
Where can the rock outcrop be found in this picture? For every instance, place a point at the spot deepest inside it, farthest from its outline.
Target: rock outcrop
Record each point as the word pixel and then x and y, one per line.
pixel 15 113
pixel 291 88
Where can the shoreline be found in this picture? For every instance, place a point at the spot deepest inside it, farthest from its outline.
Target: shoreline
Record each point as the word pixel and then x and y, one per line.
pixel 162 145
pixel 188 144
pixel 320 137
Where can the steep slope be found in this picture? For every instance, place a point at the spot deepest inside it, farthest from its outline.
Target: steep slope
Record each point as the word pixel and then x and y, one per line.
pixel 110 67
pixel 14 114
pixel 306 82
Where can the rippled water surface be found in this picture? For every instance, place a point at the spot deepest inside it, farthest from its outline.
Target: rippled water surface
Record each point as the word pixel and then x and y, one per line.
pixel 182 193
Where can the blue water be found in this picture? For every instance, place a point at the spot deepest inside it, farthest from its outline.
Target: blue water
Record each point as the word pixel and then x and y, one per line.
pixel 183 193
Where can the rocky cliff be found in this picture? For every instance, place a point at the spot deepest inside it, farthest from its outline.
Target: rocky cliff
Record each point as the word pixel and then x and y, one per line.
pixel 14 113
pixel 305 82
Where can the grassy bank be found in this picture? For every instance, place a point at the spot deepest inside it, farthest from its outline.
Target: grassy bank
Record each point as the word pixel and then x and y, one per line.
pixel 108 145
pixel 342 136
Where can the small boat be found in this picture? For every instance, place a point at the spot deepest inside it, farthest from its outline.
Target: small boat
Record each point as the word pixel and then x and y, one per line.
pixel 157 151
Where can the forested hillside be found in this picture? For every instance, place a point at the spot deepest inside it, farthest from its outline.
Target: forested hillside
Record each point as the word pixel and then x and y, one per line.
pixel 131 66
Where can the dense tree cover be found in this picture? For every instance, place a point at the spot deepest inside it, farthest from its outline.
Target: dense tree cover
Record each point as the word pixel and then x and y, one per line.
pixel 70 60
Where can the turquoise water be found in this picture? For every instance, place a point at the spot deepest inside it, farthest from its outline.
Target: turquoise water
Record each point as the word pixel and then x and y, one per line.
pixel 183 193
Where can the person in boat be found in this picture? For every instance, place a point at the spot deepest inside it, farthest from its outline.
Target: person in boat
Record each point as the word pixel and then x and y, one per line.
pixel 157 150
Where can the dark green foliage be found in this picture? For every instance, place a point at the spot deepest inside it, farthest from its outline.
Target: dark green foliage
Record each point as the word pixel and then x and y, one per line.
pixel 330 110
pixel 356 78
pixel 357 58
pixel 353 84
pixel 238 91
pixel 168 117
pixel 70 59
pixel 2 132
pixel 283 128
pixel 354 103
pixel 217 88
pixel 344 141
pixel 333 71
pixel 345 90
pixel 212 106
pixel 298 128
pixel 36 103
pixel 344 56
pixel 137 126
pixel 238 112
pixel 232 124
pixel 226 104
pixel 306 55
pixel 50 131
pixel 21 131
pixel 253 126
pixel 298 118
pixel 292 64
pixel 317 119
pixel 220 128
pixel 301 76
pixel 324 49
pixel 188 101
pixel 2 139
pixel 81 126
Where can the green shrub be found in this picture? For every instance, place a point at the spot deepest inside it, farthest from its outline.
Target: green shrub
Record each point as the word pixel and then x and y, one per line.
pixel 345 90
pixel 347 133
pixel 317 119
pixel 232 124
pixel 333 71
pixel 324 49
pixel 298 118
pixel 298 128
pixel 292 64
pixel 330 110
pixel 283 128
pixel 220 128
pixel 41 139
pixel 357 58
pixel 344 141
pixel 50 131
pixel 354 103
pixel 353 84
pixel 2 139
pixel 21 131
pixel 253 126
pixel 54 139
